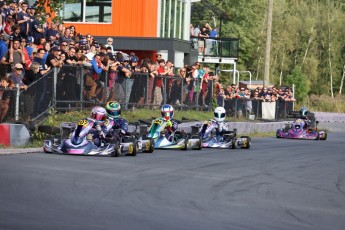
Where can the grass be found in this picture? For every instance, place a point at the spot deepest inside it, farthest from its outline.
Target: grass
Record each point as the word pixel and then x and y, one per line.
pixel 314 103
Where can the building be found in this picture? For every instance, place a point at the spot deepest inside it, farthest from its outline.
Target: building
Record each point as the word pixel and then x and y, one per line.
pixel 146 27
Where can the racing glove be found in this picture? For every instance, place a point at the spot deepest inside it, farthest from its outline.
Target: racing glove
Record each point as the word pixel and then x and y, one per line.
pixel 100 132
pixel 168 124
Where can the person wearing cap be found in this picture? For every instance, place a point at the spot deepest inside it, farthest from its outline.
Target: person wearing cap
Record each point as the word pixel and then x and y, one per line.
pixel 36 30
pixel 110 44
pixel 123 72
pixel 54 58
pixel 15 76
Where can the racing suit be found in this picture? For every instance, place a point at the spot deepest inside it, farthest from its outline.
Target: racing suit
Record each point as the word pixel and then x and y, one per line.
pixel 97 132
pixel 170 128
pixel 220 128
pixel 116 124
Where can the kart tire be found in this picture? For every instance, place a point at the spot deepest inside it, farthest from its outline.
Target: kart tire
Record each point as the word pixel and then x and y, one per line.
pixel 249 142
pixel 234 143
pixel 278 136
pixel 199 145
pixel 117 149
pixel 324 137
pixel 152 146
pixel 185 147
pixel 135 149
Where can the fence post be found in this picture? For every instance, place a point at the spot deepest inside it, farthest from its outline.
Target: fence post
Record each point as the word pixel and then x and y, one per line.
pixel 81 86
pixel 16 116
pixel 54 88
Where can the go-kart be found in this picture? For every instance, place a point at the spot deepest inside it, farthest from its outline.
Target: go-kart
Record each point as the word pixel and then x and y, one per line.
pixel 78 144
pixel 227 139
pixel 177 140
pixel 298 130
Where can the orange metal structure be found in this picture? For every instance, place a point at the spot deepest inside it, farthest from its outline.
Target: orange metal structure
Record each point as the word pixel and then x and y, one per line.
pixel 130 18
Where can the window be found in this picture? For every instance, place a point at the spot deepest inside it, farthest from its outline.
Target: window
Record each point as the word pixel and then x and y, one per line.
pixel 95 11
pixel 172 18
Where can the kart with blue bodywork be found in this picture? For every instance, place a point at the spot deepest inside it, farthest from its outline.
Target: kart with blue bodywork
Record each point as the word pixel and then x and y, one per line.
pixel 177 140
pixel 77 143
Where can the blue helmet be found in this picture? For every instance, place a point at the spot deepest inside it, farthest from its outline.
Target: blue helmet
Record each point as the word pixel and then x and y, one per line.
pixel 134 59
pixel 304 111
pixel 167 112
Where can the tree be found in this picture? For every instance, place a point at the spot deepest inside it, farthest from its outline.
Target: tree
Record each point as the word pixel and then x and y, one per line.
pixel 301 83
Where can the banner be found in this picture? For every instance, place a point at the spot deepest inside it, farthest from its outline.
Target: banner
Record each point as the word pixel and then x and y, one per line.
pixel 268 110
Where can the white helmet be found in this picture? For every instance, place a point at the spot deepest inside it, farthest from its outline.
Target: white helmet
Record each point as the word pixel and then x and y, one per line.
pixel 219 114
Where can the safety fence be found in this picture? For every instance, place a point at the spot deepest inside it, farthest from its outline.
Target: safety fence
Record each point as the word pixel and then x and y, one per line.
pixel 73 87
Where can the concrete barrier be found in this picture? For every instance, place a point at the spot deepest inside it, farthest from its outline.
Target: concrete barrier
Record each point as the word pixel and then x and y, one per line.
pixel 14 134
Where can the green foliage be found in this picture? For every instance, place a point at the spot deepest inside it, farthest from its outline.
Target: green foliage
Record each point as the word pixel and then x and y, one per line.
pixel 301 82
pixel 54 6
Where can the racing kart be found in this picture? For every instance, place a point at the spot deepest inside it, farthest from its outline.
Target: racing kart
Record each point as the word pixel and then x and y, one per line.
pixel 177 140
pixel 228 139
pixel 78 144
pixel 298 130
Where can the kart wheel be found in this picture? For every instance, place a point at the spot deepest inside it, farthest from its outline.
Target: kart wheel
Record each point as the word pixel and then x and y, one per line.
pixel 234 143
pixel 277 135
pixel 199 145
pixel 151 146
pixel 117 149
pixel 135 148
pixel 324 137
pixel 248 143
pixel 186 141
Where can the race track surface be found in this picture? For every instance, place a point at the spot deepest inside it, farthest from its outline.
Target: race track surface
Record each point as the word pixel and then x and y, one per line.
pixel 277 184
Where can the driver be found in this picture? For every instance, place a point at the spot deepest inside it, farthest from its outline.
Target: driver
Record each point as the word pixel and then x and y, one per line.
pixel 113 110
pixel 221 127
pixel 99 117
pixel 304 115
pixel 171 125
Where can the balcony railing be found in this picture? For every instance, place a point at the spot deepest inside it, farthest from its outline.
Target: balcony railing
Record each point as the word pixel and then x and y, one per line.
pixel 216 47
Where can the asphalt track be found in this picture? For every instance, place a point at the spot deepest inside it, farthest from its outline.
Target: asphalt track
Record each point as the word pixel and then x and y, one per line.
pixel 277 184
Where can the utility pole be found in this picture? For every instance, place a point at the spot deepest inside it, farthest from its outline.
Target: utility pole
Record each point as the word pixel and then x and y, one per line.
pixel 268 43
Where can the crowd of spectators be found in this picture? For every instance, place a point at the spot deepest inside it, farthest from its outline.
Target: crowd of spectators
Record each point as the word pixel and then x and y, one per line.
pixel 30 48
pixel 266 94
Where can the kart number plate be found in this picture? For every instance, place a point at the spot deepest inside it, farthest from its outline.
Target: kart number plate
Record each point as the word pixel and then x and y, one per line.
pixel 83 122
pixel 159 122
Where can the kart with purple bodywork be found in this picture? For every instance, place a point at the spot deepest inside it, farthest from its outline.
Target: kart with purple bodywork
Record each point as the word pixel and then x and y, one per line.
pixel 298 130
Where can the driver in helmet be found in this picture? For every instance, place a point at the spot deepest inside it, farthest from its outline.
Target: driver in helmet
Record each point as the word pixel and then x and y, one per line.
pixel 219 117
pixel 304 112
pixel 171 125
pixel 113 110
pixel 99 117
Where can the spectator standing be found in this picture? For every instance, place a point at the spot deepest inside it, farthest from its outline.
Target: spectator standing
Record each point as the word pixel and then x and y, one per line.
pixel 39 59
pixel 15 76
pixel 37 30
pixel 123 72
pixel 5 96
pixel 23 19
pixel 13 56
pixel 152 75
pixel 3 46
pixel 158 84
pixel 9 22
pixel 54 58
pixel 15 34
pixel 110 44
pixel 30 46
